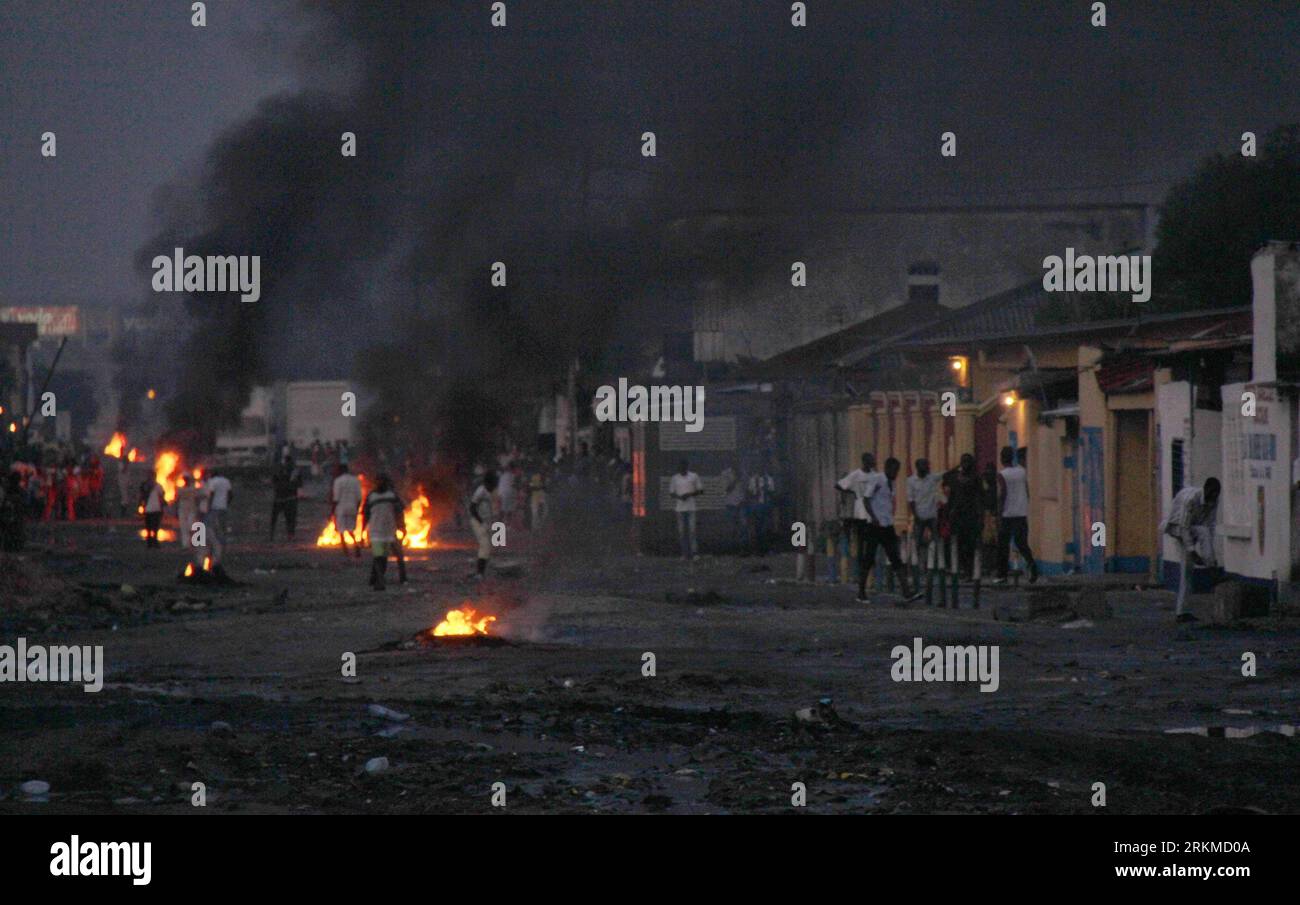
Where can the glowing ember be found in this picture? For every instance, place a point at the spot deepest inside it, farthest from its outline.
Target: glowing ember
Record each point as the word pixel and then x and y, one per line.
pixel 165 535
pixel 165 467
pixel 464 621
pixel 116 445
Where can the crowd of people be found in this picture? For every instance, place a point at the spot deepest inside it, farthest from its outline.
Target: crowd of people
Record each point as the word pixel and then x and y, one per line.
pixel 975 517
pixel 974 512
pixel 62 486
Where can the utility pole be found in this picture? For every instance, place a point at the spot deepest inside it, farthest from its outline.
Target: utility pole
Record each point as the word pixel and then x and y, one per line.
pixel 27 419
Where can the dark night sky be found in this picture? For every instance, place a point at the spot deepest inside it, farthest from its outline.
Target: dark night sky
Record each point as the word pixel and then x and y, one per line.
pixel 1039 100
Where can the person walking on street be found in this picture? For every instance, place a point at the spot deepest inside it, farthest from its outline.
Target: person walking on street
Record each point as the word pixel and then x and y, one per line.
pixel 1013 512
pixel 384 513
pixel 345 500
pixel 187 509
pixel 480 511
pixel 873 509
pixel 220 494
pixel 151 492
pixel 285 484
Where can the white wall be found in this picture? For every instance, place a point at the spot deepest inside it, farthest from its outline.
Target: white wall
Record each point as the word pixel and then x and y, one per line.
pixel 1255 512
pixel 1202 451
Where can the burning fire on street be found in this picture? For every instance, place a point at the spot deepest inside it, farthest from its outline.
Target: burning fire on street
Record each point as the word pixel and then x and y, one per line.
pixel 205 574
pixel 417 528
pixel 166 466
pixel 463 621
pixel 462 626
pixel 116 446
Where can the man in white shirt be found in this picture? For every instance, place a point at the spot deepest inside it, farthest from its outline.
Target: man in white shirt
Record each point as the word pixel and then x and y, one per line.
pixel 220 494
pixel 684 487
pixel 1191 523
pixel 1013 512
pixel 154 501
pixel 384 513
pixel 480 511
pixel 873 511
pixel 506 492
pixel 923 501
pixel 345 495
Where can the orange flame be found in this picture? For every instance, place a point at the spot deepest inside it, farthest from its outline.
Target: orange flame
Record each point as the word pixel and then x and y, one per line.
pixel 165 466
pixel 463 622
pixel 189 570
pixel 116 445
pixel 165 535
pixel 133 455
pixel 417 525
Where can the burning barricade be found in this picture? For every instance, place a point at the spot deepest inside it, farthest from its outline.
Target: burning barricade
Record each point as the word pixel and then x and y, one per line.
pixel 417 527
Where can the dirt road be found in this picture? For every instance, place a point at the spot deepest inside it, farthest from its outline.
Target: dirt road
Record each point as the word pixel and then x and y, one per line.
pixel 241 689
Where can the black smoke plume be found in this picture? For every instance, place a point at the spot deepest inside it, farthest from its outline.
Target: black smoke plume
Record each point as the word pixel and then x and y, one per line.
pixel 521 145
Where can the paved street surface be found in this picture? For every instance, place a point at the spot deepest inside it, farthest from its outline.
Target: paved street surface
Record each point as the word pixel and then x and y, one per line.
pixel 562 714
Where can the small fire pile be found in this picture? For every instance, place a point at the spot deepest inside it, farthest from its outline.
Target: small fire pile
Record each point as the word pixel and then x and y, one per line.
pixel 463 621
pixel 463 627
pixel 189 567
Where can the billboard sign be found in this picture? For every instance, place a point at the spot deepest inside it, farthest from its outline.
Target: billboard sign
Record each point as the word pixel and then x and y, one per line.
pixel 58 320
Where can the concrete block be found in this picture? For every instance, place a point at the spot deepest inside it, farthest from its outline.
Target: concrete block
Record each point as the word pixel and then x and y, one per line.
pixel 1031 603
pixel 1091 603
pixel 1229 598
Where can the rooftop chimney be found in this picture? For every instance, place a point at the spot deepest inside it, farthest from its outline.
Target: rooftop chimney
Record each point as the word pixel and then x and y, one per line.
pixel 923 283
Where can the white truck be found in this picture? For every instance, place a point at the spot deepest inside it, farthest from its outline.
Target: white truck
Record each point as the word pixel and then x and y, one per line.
pixel 297 412
pixel 311 410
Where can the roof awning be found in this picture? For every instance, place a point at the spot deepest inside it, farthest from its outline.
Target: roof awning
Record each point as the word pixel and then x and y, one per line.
pixel 1120 374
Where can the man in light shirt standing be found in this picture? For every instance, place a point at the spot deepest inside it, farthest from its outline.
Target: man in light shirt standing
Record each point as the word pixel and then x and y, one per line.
pixel 154 502
pixel 1013 509
pixel 873 515
pixel 345 494
pixel 219 494
pixel 684 488
pixel 480 510
pixel 384 514
pixel 923 501
pixel 1191 523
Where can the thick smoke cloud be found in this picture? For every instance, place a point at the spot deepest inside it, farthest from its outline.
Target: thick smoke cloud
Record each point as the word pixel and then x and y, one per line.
pixel 476 145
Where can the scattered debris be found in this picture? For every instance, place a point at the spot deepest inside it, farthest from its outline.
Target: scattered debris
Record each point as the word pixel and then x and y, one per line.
pixel 1283 729
pixel 821 714
pixel 693 596
pixel 35 790
pixel 389 714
